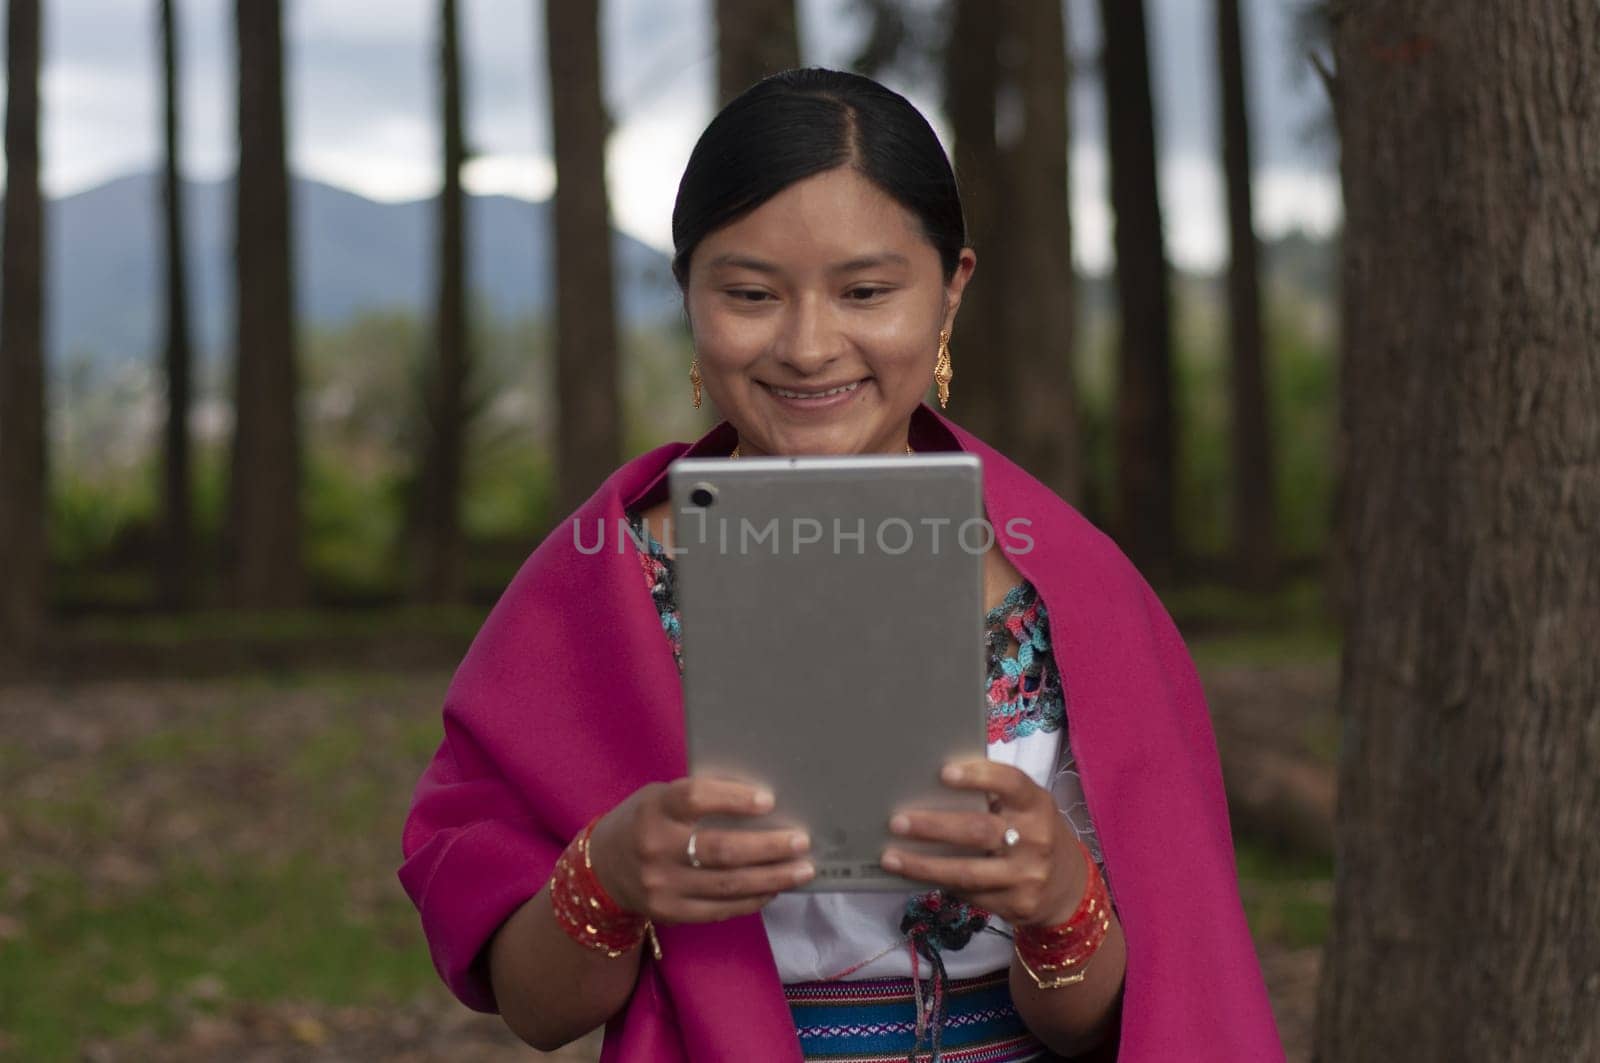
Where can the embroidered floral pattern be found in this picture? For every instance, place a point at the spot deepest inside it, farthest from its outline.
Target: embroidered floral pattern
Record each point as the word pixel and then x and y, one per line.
pixel 661 577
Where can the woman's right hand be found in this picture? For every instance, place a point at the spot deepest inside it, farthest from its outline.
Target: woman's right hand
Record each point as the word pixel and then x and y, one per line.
pixel 640 852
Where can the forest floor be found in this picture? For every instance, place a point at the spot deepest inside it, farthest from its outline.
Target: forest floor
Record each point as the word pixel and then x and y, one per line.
pixel 204 868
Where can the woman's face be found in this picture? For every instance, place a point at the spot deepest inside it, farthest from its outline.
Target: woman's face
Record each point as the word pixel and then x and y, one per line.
pixel 829 284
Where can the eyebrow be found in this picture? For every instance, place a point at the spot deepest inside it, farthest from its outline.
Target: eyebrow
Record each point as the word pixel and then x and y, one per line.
pixel 759 265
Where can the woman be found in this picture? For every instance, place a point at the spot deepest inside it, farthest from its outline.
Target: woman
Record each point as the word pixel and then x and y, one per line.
pixel 552 848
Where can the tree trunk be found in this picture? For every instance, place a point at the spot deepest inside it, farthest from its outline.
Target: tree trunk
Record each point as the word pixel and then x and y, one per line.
pixel 177 546
pixel 754 38
pixel 1466 920
pixel 263 535
pixel 441 566
pixel 980 391
pixel 1254 540
pixel 1146 418
pixel 589 428
pixel 23 501
pixel 1036 278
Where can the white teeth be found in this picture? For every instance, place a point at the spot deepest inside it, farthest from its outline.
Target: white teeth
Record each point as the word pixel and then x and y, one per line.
pixel 812 394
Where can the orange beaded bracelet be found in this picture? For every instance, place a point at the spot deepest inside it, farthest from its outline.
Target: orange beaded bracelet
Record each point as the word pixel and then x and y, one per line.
pixel 586 912
pixel 1064 950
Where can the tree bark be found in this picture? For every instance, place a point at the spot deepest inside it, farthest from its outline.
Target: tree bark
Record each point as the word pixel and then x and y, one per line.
pixel 589 422
pixel 263 534
pixel 1036 286
pixel 441 565
pixel 754 38
pixel 980 389
pixel 177 575
pixel 1254 539
pixel 24 552
pixel 1146 521
pixel 1466 920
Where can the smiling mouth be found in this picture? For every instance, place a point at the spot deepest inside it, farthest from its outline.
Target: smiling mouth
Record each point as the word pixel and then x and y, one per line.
pixel 789 393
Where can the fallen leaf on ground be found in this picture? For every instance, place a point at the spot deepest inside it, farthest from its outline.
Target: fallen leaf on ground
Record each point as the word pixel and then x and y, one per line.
pixel 308 1030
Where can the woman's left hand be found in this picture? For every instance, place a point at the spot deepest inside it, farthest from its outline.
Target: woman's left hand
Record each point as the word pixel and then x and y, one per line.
pixel 1037 881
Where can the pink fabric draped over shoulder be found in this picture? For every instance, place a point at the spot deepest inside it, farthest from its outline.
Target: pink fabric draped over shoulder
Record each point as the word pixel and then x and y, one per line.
pixel 569 700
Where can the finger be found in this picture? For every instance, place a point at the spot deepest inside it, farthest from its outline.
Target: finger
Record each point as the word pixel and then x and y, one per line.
pixel 690 798
pixel 691 910
pixel 740 848
pixel 966 875
pixel 1010 784
pixel 732 884
pixel 973 830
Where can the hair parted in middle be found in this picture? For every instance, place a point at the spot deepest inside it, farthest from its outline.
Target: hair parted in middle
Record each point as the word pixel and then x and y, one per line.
pixel 805 121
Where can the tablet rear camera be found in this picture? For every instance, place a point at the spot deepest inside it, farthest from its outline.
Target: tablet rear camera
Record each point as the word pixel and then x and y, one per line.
pixel 702 495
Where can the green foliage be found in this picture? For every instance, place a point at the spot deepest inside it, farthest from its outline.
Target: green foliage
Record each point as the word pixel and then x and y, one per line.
pixel 1302 383
pixel 1229 627
pixel 1267 649
pixel 1287 899
pixel 1305 410
pixel 90 513
pixel 352 530
pixel 1201 398
pixel 511 495
pixel 306 909
pixel 273 930
pixel 365 425
pixel 195 632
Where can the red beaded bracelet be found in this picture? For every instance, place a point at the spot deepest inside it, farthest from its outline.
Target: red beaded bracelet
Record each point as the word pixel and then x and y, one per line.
pixel 1064 950
pixel 584 909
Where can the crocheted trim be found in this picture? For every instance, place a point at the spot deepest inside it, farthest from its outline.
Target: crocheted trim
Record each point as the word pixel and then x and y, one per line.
pixel 660 575
pixel 1024 688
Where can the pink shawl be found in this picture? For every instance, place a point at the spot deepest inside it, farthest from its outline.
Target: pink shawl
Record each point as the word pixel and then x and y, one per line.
pixel 569 699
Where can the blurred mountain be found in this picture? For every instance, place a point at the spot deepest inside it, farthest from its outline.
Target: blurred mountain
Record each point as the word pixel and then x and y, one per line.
pixel 105 294
pixel 355 255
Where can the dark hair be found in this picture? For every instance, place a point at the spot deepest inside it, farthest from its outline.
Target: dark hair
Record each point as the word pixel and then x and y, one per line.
pixel 792 125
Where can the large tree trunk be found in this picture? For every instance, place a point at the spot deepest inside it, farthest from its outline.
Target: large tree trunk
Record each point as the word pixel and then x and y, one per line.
pixel 1146 522
pixel 23 502
pixel 264 489
pixel 1035 278
pixel 589 423
pixel 1254 540
pixel 177 546
pixel 1006 85
pixel 980 390
pixel 1466 921
pixel 754 38
pixel 440 567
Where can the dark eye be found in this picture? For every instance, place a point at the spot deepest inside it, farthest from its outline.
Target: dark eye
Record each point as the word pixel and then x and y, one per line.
pixel 862 295
pixel 748 295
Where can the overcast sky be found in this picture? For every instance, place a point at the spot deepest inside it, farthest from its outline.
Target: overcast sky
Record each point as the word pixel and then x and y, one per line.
pixel 362 99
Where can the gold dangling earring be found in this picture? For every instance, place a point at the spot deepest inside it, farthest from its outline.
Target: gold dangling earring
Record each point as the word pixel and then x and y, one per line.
pixel 694 379
pixel 941 370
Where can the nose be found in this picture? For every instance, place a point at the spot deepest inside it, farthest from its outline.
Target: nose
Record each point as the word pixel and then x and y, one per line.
pixel 810 339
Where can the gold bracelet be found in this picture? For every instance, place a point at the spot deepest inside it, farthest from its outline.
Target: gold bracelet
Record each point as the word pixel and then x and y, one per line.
pixel 587 913
pixel 1054 983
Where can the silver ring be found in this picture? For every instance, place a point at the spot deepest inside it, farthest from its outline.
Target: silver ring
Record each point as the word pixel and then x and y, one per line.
pixel 1011 837
pixel 694 861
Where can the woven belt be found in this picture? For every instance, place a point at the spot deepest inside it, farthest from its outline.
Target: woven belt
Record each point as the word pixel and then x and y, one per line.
pixel 875 1021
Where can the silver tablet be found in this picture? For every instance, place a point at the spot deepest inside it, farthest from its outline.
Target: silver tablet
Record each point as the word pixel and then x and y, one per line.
pixel 832 625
